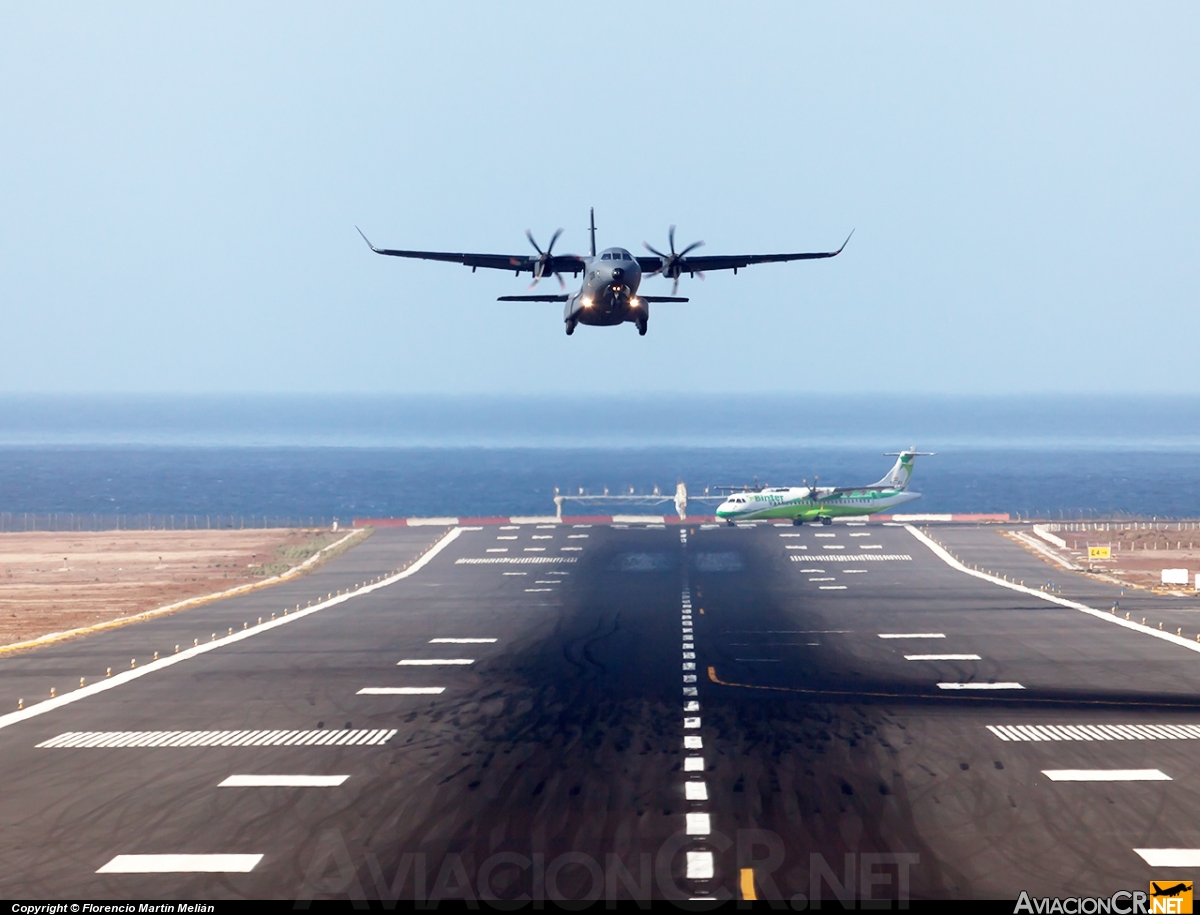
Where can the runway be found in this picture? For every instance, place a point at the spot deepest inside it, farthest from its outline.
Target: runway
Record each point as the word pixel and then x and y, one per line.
pixel 563 711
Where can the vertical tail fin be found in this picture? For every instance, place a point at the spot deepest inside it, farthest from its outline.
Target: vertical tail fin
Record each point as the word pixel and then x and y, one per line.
pixel 901 472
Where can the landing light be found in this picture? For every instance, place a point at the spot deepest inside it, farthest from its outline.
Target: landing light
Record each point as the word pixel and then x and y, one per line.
pixel 634 303
pixel 587 302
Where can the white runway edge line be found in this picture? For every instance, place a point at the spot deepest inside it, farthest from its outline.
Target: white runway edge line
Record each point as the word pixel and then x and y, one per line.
pixel 283 781
pixel 181 864
pixel 1106 775
pixel 322 737
pixel 126 676
pixel 1051 598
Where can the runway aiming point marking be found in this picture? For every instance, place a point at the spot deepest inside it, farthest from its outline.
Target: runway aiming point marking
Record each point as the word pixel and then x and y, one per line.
pixel 1106 775
pixel 181 864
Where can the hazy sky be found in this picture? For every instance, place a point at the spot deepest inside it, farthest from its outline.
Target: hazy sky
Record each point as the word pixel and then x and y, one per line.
pixel 179 187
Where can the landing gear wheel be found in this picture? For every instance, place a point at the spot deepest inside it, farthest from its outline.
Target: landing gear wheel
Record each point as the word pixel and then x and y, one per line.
pixel 827 521
pixel 729 522
pixel 797 522
pixel 570 327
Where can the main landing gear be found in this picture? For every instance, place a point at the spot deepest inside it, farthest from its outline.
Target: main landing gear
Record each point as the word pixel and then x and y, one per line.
pixel 571 322
pixel 827 521
pixel 641 326
pixel 797 522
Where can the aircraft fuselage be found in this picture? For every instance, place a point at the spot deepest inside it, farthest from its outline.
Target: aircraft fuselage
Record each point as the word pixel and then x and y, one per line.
pixel 608 294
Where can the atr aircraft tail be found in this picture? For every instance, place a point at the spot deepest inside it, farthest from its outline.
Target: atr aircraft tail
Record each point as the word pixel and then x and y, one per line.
pixel 901 472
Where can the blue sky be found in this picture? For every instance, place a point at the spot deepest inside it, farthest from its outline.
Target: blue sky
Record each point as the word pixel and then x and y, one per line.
pixel 179 187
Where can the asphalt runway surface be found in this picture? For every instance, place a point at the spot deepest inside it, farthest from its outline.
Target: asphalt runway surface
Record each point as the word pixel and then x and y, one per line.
pixel 620 711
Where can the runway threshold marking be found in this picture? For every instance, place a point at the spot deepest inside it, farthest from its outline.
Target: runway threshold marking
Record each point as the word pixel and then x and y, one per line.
pixel 1170 857
pixel 181 864
pixel 49 705
pixel 1047 732
pixel 1106 775
pixel 939 551
pixel 401 691
pixel 321 737
pixel 283 781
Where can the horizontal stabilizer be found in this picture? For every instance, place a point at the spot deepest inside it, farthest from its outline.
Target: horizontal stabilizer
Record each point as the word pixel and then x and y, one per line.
pixel 663 298
pixel 532 298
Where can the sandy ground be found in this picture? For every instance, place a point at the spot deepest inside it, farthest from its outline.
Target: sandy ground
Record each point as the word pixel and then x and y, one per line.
pixel 51 582
pixel 1139 553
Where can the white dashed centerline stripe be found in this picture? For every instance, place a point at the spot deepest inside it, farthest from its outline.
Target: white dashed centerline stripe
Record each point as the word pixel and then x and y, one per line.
pixel 700 865
pixel 942 657
pixel 283 781
pixel 181 864
pixel 695 791
pixel 698 824
pixel 1106 775
pixel 401 691
pixel 1008 685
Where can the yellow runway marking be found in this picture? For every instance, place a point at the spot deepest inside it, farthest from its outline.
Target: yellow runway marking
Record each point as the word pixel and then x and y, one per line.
pixel 748 883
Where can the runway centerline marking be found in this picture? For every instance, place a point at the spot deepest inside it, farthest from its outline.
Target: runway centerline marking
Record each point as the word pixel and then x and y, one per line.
pixel 181 864
pixel 401 691
pixel 942 657
pixel 49 705
pixel 1011 684
pixel 1106 775
pixel 831 587
pixel 283 781
pixel 695 791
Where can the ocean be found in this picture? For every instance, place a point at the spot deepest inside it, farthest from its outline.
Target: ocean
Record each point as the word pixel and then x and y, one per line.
pixel 291 459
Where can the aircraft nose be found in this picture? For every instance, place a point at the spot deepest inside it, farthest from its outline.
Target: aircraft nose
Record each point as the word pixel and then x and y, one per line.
pixel 618 274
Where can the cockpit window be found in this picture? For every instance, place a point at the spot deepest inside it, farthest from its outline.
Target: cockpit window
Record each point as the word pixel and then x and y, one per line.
pixel 605 256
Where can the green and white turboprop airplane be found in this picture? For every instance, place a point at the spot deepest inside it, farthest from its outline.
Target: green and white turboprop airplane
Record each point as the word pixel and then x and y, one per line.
pixel 824 503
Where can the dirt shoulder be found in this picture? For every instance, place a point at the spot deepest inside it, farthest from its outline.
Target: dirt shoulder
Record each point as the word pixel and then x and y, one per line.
pixel 54 582
pixel 1139 551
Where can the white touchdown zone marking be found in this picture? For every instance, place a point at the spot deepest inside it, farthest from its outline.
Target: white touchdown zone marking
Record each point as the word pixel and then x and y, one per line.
pixel 462 641
pixel 1106 775
pixel 433 662
pixel 942 657
pixel 283 781
pixel 401 691
pixel 1008 685
pixel 912 635
pixel 181 864
pixel 1170 857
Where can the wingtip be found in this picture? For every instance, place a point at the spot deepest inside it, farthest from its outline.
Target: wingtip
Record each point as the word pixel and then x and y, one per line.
pixel 364 238
pixel 846 242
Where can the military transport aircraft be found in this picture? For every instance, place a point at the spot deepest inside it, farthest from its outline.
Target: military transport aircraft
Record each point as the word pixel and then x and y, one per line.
pixel 824 503
pixel 609 294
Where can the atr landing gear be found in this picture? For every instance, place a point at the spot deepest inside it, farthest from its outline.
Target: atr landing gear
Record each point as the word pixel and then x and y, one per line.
pixel 729 522
pixel 827 521
pixel 641 326
pixel 571 326
pixel 797 522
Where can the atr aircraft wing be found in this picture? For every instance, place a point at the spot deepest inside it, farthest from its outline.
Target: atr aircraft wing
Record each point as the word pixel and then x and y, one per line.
pixel 532 298
pixel 704 263
pixel 518 263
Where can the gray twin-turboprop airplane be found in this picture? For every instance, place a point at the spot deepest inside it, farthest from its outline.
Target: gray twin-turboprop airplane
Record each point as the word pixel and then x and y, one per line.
pixel 609 293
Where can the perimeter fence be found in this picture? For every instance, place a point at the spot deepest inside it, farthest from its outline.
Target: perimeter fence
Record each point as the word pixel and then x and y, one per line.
pixel 76 521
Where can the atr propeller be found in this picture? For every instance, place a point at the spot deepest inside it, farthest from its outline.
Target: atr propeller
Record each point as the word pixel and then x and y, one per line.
pixel 671 263
pixel 541 266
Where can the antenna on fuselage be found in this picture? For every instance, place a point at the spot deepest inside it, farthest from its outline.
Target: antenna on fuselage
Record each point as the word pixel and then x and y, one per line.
pixel 593 230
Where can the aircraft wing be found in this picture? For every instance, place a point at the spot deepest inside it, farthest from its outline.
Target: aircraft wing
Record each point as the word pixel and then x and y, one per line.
pixel 662 298
pixel 703 263
pixel 518 263
pixel 532 298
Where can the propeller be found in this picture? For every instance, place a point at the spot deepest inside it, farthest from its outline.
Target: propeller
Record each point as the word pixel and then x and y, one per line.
pixel 672 265
pixel 541 265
